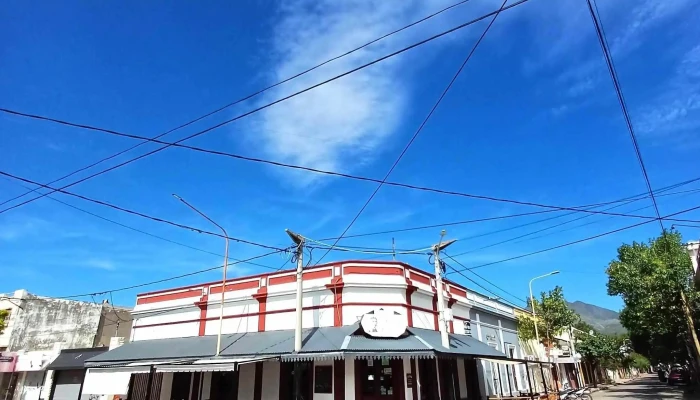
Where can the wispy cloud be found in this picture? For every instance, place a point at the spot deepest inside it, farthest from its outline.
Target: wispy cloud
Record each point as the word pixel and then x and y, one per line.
pixel 348 118
pixel 676 111
pixel 99 263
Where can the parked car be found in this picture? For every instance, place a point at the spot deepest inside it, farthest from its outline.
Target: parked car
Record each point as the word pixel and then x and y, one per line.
pixel 678 375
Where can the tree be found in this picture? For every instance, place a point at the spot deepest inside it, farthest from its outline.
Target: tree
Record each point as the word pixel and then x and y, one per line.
pixel 602 350
pixel 654 280
pixel 552 317
pixel 3 318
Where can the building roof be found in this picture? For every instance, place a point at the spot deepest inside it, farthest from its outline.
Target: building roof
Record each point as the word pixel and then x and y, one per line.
pixel 75 358
pixel 344 339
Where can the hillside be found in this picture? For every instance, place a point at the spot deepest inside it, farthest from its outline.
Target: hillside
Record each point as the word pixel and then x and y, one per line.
pixel 602 319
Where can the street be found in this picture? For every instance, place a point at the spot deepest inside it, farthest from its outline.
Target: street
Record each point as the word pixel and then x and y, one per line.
pixel 648 388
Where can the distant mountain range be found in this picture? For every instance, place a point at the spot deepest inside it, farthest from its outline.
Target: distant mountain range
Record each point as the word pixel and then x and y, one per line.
pixel 602 319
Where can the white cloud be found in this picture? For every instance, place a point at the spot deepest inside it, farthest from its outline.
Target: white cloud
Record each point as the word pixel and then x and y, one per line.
pixel 676 111
pixel 99 263
pixel 342 124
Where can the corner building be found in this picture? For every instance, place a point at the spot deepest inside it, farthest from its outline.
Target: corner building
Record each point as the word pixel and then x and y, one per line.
pixel 370 331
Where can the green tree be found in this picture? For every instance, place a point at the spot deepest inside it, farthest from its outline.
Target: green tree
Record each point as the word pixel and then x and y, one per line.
pixel 654 280
pixel 3 318
pixel 553 317
pixel 602 350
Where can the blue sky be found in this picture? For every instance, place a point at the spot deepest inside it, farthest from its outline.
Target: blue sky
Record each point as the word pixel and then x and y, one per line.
pixel 533 117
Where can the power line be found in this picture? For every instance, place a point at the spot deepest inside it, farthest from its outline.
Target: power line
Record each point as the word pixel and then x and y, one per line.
pixel 242 99
pixel 418 131
pixel 578 241
pixel 265 106
pixel 484 287
pixel 514 240
pixel 136 229
pixel 469 221
pixel 374 180
pixel 621 98
pixel 126 210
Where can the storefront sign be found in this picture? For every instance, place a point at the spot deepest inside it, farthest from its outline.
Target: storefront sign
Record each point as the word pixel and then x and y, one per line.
pixel 7 362
pixel 409 380
pixel 383 323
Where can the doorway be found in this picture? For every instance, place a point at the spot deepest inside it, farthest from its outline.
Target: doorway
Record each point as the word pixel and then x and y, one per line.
pixel 288 383
pixel 380 379
pixel 224 385
pixel 427 373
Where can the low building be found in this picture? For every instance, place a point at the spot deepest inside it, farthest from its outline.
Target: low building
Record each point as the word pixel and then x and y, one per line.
pixel 36 331
pixel 370 330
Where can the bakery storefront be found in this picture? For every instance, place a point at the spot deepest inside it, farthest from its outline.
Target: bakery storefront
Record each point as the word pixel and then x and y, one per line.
pixel 377 358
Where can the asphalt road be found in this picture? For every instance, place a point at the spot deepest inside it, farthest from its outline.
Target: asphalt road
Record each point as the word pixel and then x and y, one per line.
pixel 645 388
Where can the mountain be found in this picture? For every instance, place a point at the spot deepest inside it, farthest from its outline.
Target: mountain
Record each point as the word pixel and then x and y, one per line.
pixel 602 319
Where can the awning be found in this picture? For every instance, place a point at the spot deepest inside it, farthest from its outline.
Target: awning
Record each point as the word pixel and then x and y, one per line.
pixel 75 358
pixel 502 361
pixel 110 381
pixel 229 364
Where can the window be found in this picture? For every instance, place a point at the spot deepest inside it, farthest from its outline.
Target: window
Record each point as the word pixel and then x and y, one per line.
pixel 323 379
pixel 377 378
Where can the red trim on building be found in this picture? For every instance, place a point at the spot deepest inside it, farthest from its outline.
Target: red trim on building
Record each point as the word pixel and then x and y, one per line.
pixel 202 304
pixel 282 272
pixel 409 291
pixel 414 389
pixel 261 297
pixel 280 280
pixel 436 315
pixel 373 270
pixel 170 296
pixel 458 291
pixel 336 286
pixel 230 287
pixel 338 379
pixel 289 310
pixel 419 278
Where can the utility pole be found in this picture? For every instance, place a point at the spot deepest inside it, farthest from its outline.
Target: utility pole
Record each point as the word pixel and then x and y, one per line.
pixel 442 321
pixel 223 280
pixel 299 254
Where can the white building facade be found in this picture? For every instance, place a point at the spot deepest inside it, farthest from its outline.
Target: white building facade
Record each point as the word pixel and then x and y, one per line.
pixel 340 359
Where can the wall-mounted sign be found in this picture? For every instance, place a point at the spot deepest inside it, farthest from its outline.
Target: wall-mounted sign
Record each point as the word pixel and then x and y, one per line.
pixel 467 328
pixel 409 380
pixel 383 323
pixel 491 338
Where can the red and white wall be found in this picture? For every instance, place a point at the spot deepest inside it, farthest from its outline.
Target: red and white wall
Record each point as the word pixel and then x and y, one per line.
pixel 334 294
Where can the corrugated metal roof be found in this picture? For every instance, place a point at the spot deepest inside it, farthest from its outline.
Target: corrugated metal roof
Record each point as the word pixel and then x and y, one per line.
pixel 459 344
pixel 239 344
pixel 75 358
pixel 314 341
pixel 405 343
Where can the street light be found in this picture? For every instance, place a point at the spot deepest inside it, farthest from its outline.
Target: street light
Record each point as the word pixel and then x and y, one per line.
pixel 532 301
pixel 223 281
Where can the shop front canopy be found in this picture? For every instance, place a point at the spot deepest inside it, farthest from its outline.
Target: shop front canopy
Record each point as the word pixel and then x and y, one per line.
pixel 324 342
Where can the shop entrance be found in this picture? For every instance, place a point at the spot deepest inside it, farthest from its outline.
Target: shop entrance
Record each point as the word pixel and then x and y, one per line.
pixel 288 382
pixel 380 379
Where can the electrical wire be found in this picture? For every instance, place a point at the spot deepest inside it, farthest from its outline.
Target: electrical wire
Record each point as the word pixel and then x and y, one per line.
pixel 485 288
pixel 485 280
pixel 103 203
pixel 240 100
pixel 389 183
pixel 279 100
pixel 623 106
pixel 527 236
pixel 578 241
pixel 418 131
pixel 363 251
pixel 139 230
